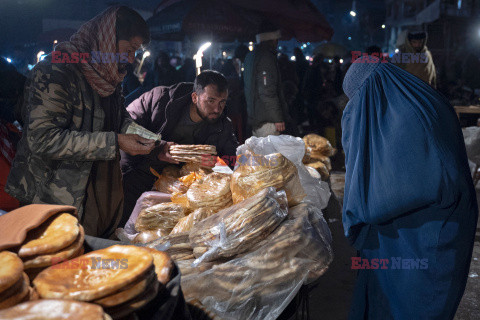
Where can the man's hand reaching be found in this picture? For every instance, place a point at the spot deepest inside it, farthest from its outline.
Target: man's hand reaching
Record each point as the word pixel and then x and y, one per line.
pixel 133 144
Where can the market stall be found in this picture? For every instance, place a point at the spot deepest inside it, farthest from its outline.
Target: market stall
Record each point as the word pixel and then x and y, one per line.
pixel 208 243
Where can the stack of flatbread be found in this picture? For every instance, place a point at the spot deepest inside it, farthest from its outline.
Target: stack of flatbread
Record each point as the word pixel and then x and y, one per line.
pixel 14 283
pixel 197 153
pixel 51 309
pixel 256 172
pixel 58 239
pixel 236 229
pixel 186 223
pixel 160 218
pixel 318 151
pixel 121 279
pixel 179 247
pixel 213 191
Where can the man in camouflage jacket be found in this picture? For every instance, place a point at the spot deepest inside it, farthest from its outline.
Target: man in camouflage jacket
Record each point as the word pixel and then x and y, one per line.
pixel 69 151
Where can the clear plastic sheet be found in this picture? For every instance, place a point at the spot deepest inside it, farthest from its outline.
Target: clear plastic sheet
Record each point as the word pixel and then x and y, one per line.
pixel 176 245
pixel 213 191
pixel 161 217
pixel 236 229
pixel 256 172
pixel 186 224
pixel 292 148
pixel 260 283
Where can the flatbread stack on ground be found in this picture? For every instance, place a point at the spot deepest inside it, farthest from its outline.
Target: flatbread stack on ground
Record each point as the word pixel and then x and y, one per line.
pixel 257 172
pixel 50 309
pixel 318 151
pixel 14 283
pixel 121 279
pixel 58 239
pixel 159 219
pixel 236 229
pixel 213 192
pixel 196 153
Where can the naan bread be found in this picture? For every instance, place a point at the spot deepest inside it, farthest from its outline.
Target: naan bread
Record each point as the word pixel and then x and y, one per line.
pixel 96 281
pixel 53 235
pixel 53 310
pixel 11 268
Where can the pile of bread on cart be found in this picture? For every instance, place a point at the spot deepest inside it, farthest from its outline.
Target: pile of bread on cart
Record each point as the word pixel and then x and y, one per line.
pixel 242 241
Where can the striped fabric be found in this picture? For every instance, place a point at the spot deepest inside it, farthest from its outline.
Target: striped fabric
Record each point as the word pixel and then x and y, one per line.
pixel 97 35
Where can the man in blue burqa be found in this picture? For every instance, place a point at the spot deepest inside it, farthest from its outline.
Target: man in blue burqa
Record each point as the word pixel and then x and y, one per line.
pixel 409 197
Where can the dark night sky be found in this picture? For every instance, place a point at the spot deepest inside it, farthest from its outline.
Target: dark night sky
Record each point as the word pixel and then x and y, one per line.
pixel 21 20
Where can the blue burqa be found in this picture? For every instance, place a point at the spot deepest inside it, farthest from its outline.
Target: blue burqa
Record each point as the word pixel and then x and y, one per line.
pixel 409 196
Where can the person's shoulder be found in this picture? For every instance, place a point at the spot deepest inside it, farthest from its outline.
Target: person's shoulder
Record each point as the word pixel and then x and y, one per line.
pixel 55 72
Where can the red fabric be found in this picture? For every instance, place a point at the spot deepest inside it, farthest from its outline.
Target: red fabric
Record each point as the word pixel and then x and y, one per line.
pixel 7 153
pixel 7 202
pixel 99 35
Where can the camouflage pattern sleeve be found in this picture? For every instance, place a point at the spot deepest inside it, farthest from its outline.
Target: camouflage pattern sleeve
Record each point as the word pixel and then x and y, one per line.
pixel 53 107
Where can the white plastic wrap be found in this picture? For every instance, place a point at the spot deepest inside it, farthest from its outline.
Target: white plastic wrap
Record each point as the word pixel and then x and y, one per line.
pixel 472 143
pixel 260 283
pixel 236 229
pixel 293 149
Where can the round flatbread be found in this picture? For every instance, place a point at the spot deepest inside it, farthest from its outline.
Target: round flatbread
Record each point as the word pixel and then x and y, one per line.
pixel 135 304
pixel 53 310
pixel 163 265
pixel 110 270
pixel 128 293
pixel 65 254
pixel 53 235
pixel 11 268
pixel 16 293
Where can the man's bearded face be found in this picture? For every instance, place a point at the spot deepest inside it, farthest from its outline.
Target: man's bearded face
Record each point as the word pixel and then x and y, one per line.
pixel 210 103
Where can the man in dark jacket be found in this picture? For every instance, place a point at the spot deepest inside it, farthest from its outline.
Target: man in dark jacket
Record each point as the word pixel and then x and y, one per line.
pixel 266 105
pixel 185 113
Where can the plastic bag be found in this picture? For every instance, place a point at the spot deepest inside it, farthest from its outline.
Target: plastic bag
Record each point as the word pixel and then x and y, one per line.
pixel 260 283
pixel 236 229
pixel 148 236
pixel 213 191
pixel 176 245
pixel 147 199
pixel 186 224
pixel 161 217
pixel 168 183
pixel 256 172
pixel 293 149
pixel 318 146
pixel 471 136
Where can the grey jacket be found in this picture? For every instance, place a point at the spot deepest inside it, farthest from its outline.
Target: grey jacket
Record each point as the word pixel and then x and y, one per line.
pixel 263 88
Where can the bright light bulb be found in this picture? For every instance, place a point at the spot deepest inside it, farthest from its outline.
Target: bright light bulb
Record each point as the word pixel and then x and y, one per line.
pixel 353 13
pixel 146 54
pixel 341 60
pixel 292 58
pixel 383 26
pixel 9 60
pixel 39 55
